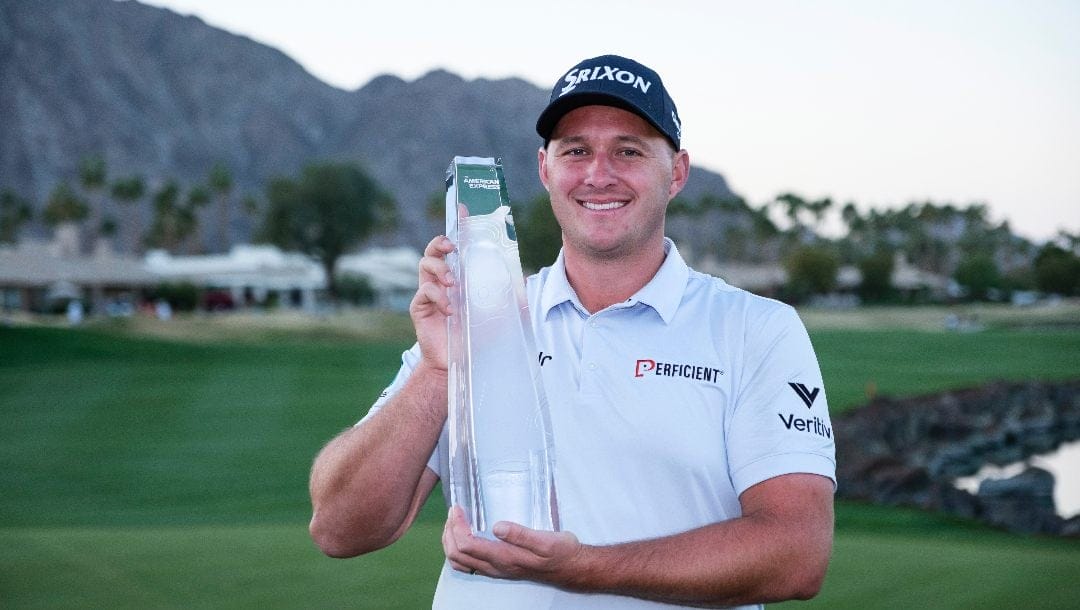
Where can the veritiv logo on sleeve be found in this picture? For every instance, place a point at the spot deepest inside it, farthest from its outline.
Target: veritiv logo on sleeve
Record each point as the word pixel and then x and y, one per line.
pixel 808 395
pixel 813 425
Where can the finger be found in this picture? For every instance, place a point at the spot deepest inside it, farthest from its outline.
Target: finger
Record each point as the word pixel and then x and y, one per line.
pixel 457 526
pixel 518 535
pixel 464 541
pixel 432 268
pixel 433 263
pixel 540 543
pixel 449 547
pixel 439 247
pixel 430 295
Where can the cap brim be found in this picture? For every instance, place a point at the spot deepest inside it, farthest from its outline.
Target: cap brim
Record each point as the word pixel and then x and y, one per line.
pixel 549 118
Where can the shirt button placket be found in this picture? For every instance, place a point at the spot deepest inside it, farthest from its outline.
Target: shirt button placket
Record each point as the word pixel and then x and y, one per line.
pixel 587 354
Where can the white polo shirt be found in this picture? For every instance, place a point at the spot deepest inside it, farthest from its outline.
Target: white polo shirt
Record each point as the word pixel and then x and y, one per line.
pixel 664 409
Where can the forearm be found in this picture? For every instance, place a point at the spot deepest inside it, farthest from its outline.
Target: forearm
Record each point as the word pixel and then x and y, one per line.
pixel 764 556
pixel 364 483
pixel 720 565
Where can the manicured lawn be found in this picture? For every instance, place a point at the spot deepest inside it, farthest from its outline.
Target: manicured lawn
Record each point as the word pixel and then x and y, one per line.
pixel 906 362
pixel 164 473
pixel 901 558
pixel 215 566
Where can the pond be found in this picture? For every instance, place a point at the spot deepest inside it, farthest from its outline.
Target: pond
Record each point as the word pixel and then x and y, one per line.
pixel 1063 463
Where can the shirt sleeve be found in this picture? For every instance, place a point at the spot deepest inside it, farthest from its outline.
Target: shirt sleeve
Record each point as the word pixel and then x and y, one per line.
pixel 779 422
pixel 409 360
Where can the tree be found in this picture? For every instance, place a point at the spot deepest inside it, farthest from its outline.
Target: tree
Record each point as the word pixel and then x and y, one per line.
pixel 173 222
pixel 792 204
pixel 539 235
pixel 811 270
pixel 108 226
pixel 876 271
pixel 14 211
pixel 221 183
pixel 129 192
pixel 64 205
pixel 332 207
pixel 979 275
pixel 796 209
pixel 1057 271
pixel 1069 241
pixel 250 205
pixel 197 199
pixel 92 177
pixel 763 226
pixel 851 217
pixel 92 172
pixel 435 210
pixel 818 208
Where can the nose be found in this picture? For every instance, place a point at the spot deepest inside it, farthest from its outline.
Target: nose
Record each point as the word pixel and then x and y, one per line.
pixel 600 172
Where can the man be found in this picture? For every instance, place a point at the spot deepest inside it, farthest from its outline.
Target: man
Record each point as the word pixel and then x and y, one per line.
pixel 694 455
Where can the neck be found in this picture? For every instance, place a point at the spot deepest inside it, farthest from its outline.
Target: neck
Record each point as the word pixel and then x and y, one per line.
pixel 602 282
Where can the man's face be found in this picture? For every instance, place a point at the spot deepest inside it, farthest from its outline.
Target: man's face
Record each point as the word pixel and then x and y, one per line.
pixel 610 176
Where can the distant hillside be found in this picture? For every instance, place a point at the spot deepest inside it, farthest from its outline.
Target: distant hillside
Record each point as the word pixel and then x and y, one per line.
pixel 168 96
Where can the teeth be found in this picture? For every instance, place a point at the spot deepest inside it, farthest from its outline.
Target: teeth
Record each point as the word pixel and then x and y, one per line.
pixel 603 206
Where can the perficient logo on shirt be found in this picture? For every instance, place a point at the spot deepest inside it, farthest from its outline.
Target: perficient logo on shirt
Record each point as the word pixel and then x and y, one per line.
pixel 647 366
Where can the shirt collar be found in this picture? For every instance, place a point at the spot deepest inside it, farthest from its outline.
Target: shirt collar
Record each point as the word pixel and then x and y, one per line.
pixel 556 288
pixel 663 293
pixel 665 290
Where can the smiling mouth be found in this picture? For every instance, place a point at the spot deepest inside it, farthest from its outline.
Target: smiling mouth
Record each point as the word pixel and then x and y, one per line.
pixel 599 207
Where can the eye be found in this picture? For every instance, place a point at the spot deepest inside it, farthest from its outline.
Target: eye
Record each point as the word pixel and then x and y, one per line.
pixel 630 152
pixel 575 152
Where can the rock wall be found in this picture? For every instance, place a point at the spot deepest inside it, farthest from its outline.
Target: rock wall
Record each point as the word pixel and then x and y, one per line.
pixel 909 452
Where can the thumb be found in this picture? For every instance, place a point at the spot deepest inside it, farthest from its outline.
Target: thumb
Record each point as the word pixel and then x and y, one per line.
pixel 511 532
pixel 539 542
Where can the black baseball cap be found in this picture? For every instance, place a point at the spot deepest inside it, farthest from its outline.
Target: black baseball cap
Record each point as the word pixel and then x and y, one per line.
pixel 611 80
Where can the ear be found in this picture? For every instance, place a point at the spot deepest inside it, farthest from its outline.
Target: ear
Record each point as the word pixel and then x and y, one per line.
pixel 680 172
pixel 541 161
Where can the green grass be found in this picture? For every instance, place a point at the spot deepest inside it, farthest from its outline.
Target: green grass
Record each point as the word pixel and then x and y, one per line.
pixel 903 558
pixel 906 362
pixel 218 566
pixel 109 430
pixel 162 473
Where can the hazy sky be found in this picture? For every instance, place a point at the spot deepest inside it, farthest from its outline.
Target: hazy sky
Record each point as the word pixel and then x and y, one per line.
pixel 878 102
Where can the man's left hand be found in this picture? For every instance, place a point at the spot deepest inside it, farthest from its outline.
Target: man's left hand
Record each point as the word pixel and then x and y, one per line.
pixel 519 553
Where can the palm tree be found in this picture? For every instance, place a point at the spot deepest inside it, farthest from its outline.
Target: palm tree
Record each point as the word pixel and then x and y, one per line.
pixel 221 183
pixel 92 175
pixel 129 192
pixel 64 205
pixel 14 211
pixel 793 204
pixel 65 210
pixel 851 217
pixel 197 199
pixel 818 209
pixel 163 231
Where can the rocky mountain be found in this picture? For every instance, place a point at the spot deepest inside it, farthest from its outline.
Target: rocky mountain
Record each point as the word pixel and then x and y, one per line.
pixel 167 96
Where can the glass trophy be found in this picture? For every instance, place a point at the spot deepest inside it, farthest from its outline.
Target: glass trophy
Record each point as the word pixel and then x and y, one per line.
pixel 501 446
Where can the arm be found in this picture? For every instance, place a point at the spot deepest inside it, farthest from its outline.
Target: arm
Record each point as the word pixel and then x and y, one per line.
pixel 778 549
pixel 369 482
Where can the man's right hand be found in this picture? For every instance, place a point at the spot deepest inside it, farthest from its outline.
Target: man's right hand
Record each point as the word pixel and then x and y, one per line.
pixel 431 304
